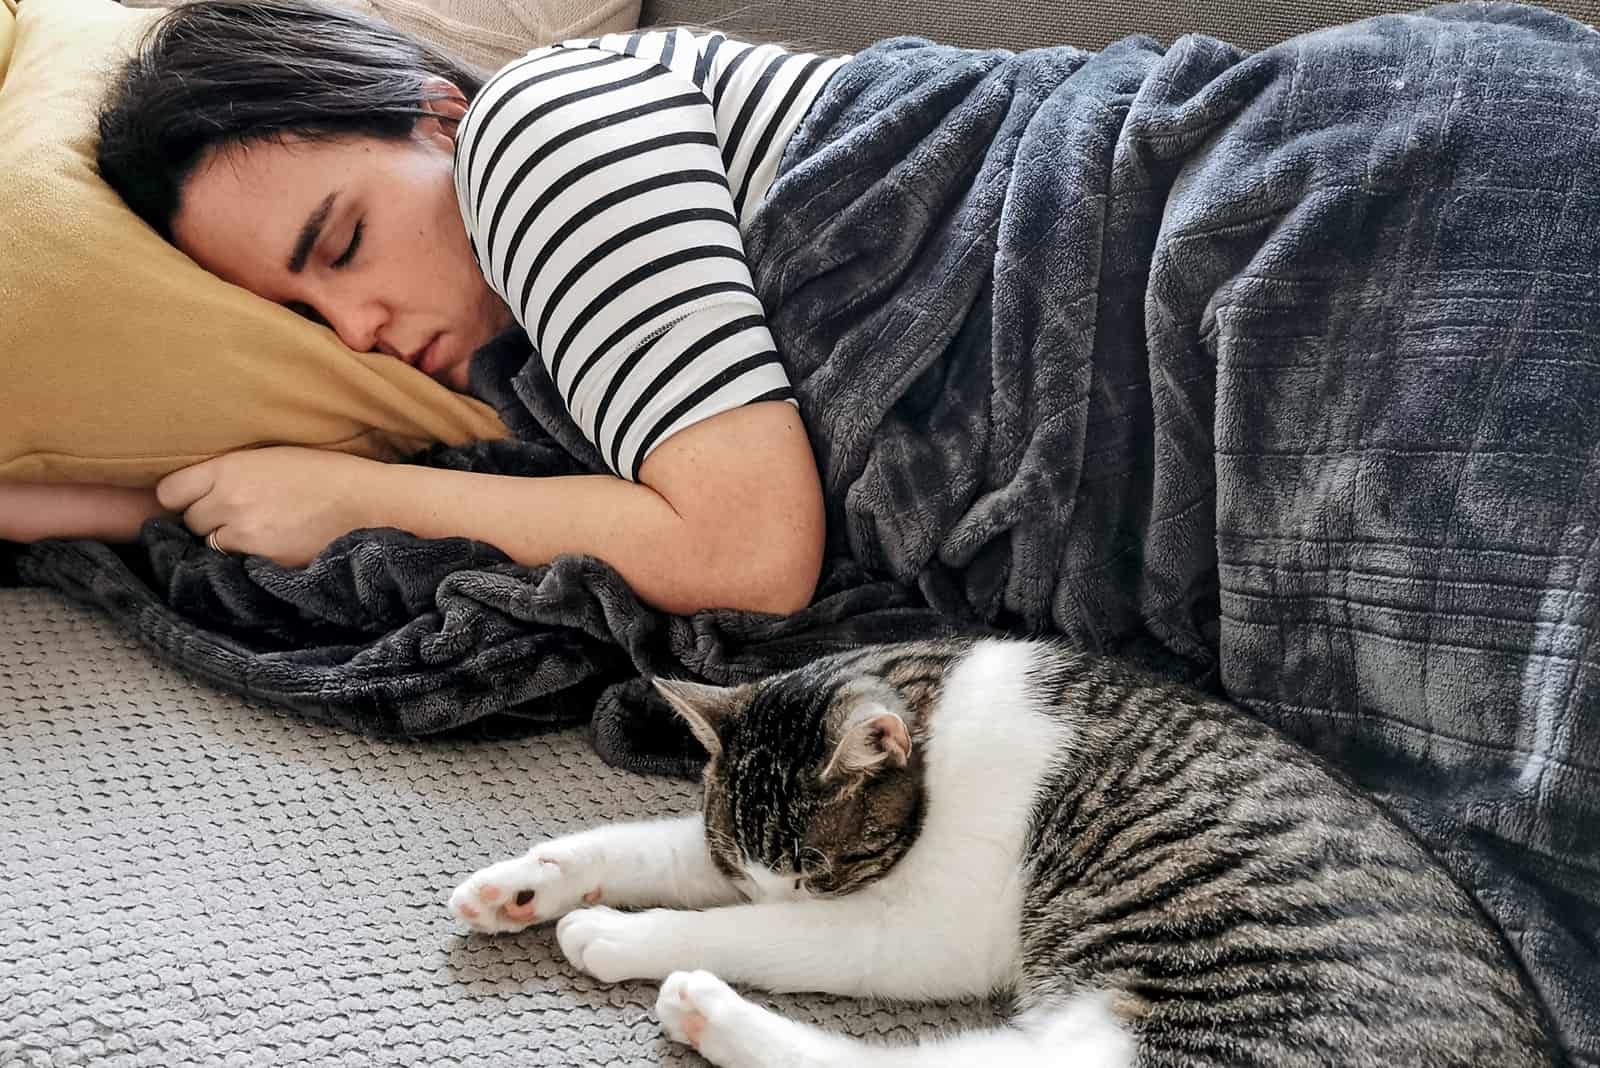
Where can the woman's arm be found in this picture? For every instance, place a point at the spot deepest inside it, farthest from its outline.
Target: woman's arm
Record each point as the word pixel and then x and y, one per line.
pixel 728 512
pixel 35 511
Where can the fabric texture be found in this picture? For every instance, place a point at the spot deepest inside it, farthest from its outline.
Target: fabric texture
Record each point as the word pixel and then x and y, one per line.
pixel 193 880
pixel 825 25
pixel 491 33
pixel 122 359
pixel 1271 370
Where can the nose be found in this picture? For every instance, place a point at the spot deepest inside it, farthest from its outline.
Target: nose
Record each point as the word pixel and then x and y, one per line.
pixel 359 324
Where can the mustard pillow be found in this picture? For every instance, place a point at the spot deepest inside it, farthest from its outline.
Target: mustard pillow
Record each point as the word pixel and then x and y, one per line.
pixel 120 359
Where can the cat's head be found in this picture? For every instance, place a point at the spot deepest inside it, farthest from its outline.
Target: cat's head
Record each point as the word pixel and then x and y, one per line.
pixel 815 782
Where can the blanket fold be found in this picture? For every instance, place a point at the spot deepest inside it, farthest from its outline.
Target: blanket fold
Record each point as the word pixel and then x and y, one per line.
pixel 1278 372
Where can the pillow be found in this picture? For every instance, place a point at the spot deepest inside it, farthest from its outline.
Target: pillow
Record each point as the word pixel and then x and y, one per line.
pixel 491 33
pixel 120 359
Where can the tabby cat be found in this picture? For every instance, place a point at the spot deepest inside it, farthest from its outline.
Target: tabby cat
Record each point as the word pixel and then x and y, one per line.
pixel 1158 878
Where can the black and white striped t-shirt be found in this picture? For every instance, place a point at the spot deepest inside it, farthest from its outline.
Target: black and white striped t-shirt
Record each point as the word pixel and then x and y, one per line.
pixel 604 184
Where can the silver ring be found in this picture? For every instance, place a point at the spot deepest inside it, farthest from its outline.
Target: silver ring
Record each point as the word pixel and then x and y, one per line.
pixel 211 543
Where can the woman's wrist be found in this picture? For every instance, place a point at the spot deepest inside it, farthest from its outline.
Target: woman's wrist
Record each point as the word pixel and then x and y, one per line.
pixel 373 495
pixel 34 511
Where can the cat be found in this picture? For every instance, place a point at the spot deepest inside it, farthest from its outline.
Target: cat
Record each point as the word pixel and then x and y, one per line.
pixel 1155 877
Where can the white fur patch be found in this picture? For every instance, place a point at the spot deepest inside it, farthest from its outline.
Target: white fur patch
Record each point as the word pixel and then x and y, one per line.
pixel 771 885
pixel 960 885
pixel 990 749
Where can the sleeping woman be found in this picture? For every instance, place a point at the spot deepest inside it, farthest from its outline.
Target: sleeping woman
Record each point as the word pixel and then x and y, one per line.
pixel 590 194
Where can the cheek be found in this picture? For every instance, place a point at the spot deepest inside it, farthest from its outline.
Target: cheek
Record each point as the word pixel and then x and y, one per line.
pixel 422 229
pixel 444 229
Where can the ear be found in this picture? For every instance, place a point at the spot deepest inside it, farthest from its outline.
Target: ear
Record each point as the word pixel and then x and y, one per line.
pixel 704 708
pixel 446 104
pixel 874 737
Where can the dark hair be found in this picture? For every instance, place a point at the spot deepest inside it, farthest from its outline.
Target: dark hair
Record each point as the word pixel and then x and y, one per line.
pixel 216 73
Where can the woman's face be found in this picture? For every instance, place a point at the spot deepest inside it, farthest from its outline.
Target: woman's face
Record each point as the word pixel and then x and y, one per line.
pixel 361 233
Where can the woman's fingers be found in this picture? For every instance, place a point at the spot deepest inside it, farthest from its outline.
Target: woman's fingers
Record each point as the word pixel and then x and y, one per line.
pixel 190 491
pixel 204 517
pixel 183 488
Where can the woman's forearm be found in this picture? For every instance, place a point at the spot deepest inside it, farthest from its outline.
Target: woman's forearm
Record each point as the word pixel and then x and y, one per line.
pixel 676 562
pixel 36 511
pixel 727 513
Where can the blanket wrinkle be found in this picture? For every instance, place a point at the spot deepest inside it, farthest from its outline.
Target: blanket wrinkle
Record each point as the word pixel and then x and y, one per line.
pixel 1274 371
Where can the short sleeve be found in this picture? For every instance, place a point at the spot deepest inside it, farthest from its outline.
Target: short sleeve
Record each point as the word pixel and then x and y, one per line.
pixel 596 198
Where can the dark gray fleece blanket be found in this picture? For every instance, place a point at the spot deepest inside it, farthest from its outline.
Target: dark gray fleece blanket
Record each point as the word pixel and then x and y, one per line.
pixel 1279 371
pixel 1286 364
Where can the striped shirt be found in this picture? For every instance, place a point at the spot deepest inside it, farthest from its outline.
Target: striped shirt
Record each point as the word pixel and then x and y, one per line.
pixel 605 185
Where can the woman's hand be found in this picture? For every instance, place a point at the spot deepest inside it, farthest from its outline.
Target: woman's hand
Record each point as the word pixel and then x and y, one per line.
pixel 284 503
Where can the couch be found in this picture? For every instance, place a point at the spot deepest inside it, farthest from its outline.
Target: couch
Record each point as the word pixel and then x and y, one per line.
pixel 190 877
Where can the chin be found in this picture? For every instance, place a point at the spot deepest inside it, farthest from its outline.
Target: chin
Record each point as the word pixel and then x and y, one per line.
pixel 457 377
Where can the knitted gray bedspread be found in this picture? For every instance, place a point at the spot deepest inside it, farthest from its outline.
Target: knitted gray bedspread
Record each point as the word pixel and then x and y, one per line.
pixel 1278 371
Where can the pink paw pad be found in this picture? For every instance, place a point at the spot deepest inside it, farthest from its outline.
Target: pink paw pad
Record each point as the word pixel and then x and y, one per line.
pixel 488 893
pixel 694 1024
pixel 519 910
pixel 468 911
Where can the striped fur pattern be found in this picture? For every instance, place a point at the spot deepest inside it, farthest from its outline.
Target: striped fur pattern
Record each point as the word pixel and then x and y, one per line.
pixel 1153 876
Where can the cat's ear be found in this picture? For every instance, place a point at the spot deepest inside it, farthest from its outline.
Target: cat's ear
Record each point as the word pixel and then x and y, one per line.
pixel 873 737
pixel 704 708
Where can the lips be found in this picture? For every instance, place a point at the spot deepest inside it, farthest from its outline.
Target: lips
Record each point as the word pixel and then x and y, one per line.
pixel 429 357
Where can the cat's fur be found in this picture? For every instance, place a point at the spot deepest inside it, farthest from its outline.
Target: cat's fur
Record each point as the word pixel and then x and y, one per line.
pixel 1160 879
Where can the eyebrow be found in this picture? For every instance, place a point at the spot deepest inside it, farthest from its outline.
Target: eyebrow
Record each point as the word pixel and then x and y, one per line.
pixel 310 232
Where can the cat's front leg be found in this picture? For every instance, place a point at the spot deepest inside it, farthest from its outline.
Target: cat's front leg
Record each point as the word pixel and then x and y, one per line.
pixel 660 862
pixel 855 945
pixel 700 1010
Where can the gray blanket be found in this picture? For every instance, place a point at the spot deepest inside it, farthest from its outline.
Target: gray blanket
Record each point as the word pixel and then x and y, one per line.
pixel 1276 371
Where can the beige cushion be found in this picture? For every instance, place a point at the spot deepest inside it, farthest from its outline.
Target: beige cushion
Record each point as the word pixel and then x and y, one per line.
pixel 8 31
pixel 120 359
pixel 491 33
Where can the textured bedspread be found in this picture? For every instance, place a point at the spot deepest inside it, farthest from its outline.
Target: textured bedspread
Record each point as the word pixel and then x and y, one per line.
pixel 1279 371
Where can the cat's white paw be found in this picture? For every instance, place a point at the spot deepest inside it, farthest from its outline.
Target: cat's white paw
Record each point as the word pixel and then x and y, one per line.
pixel 700 1010
pixel 613 946
pixel 543 884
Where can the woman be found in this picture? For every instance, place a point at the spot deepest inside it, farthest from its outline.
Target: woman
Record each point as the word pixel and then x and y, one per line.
pixel 590 194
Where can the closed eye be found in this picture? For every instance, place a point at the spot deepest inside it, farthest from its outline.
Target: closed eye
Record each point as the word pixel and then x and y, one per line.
pixel 355 243
pixel 306 311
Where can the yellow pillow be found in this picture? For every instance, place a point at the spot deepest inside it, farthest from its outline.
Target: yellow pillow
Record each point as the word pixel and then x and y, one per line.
pixel 120 359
